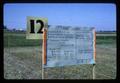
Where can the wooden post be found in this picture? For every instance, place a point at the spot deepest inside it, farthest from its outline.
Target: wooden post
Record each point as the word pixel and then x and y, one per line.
pixel 94 53
pixel 94 46
pixel 44 47
pixel 44 51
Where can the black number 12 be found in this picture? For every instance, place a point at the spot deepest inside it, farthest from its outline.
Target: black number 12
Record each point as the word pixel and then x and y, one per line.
pixel 32 26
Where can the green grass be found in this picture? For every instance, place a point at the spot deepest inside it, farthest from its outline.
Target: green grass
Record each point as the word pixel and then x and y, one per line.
pixel 18 39
pixel 106 32
pixel 23 60
pixel 105 39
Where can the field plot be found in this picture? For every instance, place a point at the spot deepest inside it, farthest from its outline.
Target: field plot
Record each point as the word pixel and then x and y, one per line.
pixel 22 60
pixel 22 63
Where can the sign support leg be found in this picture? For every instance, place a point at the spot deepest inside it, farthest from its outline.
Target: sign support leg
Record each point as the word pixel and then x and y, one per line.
pixel 42 64
pixel 93 71
pixel 44 52
pixel 42 71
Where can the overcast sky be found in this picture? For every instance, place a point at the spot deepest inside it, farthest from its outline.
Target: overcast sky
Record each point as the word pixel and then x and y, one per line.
pixel 101 16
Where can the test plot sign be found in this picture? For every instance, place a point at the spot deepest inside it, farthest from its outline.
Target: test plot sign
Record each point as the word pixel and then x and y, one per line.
pixel 35 27
pixel 70 46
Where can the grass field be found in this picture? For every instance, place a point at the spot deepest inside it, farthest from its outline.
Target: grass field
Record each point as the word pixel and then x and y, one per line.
pixel 22 59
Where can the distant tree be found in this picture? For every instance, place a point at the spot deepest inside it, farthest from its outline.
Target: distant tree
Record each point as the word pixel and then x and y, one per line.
pixel 13 29
pixel 49 25
pixel 4 27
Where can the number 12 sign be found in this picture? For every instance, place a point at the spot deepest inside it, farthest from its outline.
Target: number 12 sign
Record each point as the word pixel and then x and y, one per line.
pixel 35 27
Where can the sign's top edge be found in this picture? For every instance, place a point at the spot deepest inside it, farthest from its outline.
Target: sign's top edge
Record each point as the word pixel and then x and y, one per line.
pixel 34 17
pixel 65 27
pixel 69 26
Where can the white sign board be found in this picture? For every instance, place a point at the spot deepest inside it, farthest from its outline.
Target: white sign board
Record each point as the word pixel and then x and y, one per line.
pixel 35 27
pixel 69 46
